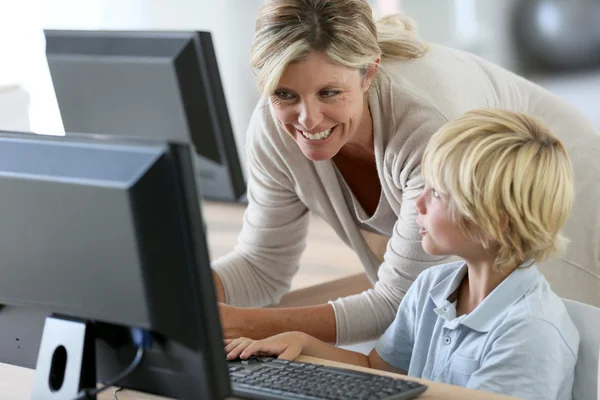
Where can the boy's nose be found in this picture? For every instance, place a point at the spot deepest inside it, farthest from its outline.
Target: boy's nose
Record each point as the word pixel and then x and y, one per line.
pixel 420 203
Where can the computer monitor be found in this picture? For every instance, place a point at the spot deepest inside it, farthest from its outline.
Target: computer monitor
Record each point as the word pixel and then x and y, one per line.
pixel 149 84
pixel 102 239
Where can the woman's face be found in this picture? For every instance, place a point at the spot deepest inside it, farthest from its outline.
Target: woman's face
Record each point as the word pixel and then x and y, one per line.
pixel 322 105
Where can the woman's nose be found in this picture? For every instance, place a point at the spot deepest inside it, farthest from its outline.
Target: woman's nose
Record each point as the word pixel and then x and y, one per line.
pixel 310 116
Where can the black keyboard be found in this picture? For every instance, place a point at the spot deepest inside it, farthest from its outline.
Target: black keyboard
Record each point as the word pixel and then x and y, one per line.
pixel 270 378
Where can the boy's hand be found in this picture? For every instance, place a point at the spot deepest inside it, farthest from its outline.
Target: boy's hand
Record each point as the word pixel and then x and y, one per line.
pixel 285 346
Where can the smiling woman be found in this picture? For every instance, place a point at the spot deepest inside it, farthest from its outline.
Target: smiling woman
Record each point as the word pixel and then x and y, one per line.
pixel 323 106
pixel 348 106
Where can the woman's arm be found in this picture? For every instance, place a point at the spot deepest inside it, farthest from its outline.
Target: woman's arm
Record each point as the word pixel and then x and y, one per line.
pixel 258 323
pixel 275 224
pixel 219 290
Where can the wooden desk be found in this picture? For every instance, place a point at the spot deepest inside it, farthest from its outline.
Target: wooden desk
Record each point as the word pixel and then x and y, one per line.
pixel 16 384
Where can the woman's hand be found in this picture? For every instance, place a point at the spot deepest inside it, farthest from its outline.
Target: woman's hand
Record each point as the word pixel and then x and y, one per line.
pixel 285 346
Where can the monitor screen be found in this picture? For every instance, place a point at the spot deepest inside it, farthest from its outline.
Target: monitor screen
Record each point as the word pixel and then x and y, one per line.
pixel 109 231
pixel 149 84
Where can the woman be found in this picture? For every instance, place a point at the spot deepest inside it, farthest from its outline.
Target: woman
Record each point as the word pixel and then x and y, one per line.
pixel 348 108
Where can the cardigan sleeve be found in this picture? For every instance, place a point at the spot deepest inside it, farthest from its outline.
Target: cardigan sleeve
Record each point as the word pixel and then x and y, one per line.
pixel 275 224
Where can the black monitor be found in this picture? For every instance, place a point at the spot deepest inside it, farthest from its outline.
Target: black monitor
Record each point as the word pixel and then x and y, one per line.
pixel 149 84
pixel 103 251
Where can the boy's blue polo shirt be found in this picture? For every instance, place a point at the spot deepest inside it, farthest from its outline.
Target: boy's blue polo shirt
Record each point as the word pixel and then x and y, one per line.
pixel 519 341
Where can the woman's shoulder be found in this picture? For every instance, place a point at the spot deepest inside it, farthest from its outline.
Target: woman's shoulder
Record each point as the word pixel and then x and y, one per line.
pixel 453 81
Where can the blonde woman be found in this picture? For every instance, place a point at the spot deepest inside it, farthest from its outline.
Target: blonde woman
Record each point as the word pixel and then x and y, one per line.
pixel 498 188
pixel 348 108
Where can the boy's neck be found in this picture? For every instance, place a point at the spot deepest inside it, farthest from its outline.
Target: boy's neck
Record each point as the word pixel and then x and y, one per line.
pixel 481 279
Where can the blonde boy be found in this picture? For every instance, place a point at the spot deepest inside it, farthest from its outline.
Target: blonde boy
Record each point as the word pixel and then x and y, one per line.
pixel 498 189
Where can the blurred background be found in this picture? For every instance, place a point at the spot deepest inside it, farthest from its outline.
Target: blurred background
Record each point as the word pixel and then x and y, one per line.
pixel 553 42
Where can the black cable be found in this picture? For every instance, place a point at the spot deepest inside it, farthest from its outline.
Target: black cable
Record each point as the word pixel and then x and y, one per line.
pixel 87 393
pixel 115 393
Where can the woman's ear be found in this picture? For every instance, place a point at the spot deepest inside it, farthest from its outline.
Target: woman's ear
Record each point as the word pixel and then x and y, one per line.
pixel 370 74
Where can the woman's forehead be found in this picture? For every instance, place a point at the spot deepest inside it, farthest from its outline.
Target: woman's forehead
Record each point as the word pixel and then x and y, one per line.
pixel 317 70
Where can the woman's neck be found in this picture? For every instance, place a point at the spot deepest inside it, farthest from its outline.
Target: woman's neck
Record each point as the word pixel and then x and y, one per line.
pixel 361 145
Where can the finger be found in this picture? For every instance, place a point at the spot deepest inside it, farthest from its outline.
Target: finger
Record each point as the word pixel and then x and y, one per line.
pixel 263 347
pixel 239 348
pixel 233 343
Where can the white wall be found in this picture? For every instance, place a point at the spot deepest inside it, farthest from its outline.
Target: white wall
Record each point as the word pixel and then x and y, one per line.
pixel 479 26
pixel 28 101
pixel 231 23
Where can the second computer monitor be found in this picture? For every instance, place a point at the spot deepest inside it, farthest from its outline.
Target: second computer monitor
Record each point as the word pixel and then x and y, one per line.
pixel 153 84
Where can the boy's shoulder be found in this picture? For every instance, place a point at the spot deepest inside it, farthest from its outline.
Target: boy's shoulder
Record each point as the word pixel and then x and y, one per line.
pixel 541 312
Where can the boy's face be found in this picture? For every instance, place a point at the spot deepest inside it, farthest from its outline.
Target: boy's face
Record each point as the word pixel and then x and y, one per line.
pixel 441 235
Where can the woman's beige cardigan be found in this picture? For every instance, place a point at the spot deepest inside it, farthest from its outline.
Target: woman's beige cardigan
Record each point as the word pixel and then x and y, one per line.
pixel 414 98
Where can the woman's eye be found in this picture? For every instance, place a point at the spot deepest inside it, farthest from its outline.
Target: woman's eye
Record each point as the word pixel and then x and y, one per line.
pixel 283 95
pixel 329 93
pixel 434 193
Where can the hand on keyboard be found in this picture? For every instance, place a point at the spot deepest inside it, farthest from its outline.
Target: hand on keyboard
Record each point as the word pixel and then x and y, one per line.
pixel 285 346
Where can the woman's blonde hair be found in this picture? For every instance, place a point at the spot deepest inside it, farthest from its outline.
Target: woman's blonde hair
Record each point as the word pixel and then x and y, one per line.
pixel 288 30
pixel 507 178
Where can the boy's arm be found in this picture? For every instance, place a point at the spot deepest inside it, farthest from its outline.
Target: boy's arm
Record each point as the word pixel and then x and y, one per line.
pixel 376 362
pixel 316 348
pixel 290 345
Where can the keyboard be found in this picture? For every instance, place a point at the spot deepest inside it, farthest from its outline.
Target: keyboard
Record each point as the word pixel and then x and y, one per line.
pixel 270 378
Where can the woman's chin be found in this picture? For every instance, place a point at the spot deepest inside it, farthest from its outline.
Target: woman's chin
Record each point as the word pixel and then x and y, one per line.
pixel 317 153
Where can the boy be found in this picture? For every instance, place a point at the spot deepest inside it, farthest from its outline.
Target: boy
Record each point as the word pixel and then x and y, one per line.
pixel 498 188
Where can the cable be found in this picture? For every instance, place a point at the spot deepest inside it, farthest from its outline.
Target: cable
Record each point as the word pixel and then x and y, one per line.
pixel 142 340
pixel 87 393
pixel 115 393
pixel 84 394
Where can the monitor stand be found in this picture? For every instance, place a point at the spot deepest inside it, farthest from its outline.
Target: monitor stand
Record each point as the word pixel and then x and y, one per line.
pixel 66 362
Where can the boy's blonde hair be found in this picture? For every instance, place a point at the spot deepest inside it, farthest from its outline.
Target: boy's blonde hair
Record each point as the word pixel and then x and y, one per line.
pixel 288 30
pixel 507 177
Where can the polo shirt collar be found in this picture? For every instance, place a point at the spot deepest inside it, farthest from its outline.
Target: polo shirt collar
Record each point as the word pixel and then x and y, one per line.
pixel 484 316
pixel 440 292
